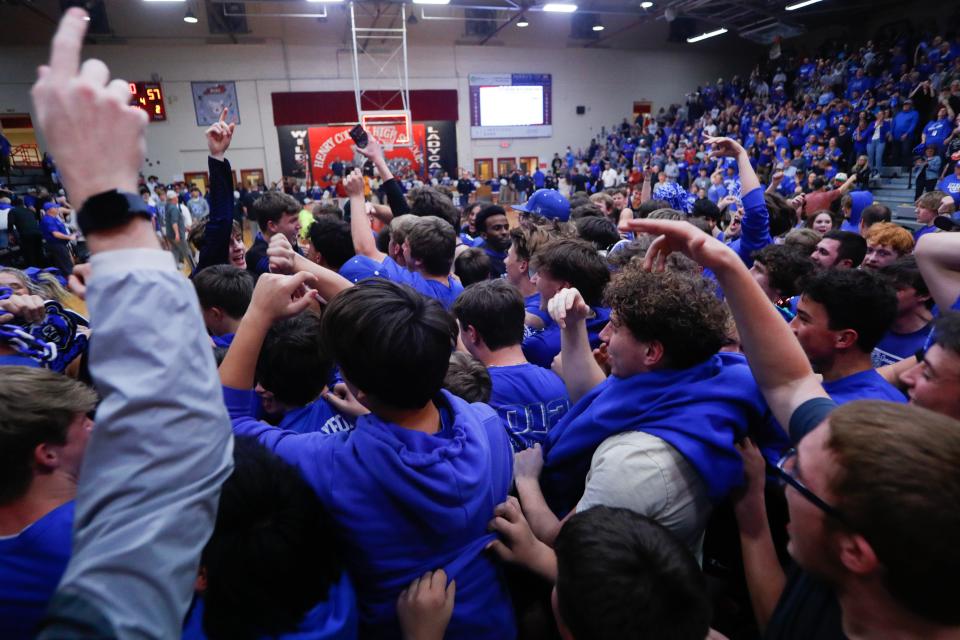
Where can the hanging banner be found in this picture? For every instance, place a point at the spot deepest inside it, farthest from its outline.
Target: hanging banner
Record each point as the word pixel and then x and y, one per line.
pixel 314 149
pixel 294 155
pixel 329 145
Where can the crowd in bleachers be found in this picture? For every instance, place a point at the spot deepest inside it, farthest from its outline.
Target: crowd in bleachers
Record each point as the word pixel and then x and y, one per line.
pixel 704 388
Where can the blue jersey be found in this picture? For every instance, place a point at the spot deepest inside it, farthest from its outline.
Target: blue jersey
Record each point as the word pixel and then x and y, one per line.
pixel 950 185
pixel 866 385
pixel 894 347
pixel 31 565
pixel 530 400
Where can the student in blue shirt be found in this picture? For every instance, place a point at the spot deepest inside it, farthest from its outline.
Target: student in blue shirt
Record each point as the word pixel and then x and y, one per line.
pixel 413 487
pixel 57 238
pixel 224 293
pixel 656 436
pixel 951 184
pixel 271 567
pixel 44 436
pixel 494 230
pixel 529 399
pixel 561 264
pixel 911 327
pixel 428 250
pixel 525 241
pixel 841 316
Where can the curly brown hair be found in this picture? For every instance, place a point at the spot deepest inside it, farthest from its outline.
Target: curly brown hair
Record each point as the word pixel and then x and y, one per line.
pixel 680 311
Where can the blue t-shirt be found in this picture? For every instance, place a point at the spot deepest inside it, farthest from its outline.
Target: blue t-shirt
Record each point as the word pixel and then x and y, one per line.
pixel 532 306
pixel 320 416
pixel 530 400
pixel 31 565
pixel 866 385
pixel 49 224
pixel 541 347
pixel 333 619
pixel 950 185
pixel 894 347
pixel 360 267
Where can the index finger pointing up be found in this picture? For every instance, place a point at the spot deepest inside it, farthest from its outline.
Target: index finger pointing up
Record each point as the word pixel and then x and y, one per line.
pixel 223 116
pixel 65 49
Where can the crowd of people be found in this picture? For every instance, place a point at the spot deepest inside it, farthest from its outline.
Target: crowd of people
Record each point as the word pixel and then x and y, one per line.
pixel 635 413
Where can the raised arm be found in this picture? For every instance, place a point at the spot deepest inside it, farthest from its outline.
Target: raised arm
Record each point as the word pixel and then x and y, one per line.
pixel 216 236
pixel 284 260
pixel 363 241
pixel 755 225
pixel 390 187
pixel 275 297
pixel 778 362
pixel 938 256
pixel 581 373
pixel 162 447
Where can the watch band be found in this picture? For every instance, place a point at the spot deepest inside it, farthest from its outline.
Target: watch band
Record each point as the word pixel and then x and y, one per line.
pixel 109 210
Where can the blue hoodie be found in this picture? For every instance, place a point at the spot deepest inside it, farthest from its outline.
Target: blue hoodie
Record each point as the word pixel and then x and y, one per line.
pixel 700 411
pixel 406 502
pixel 860 200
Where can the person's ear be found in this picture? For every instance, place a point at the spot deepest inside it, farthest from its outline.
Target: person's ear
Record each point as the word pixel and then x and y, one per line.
pixel 845 339
pixel 46 456
pixel 561 627
pixel 856 554
pixel 653 353
pixel 846 263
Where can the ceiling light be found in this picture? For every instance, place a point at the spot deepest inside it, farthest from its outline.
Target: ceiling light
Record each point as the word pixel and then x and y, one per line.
pixel 646 5
pixel 324 0
pixel 431 1
pixel 704 36
pixel 559 7
pixel 598 27
pixel 191 17
pixel 523 22
pixel 800 5
pixel 164 0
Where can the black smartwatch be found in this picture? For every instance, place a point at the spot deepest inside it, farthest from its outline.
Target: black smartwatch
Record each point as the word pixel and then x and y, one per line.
pixel 109 210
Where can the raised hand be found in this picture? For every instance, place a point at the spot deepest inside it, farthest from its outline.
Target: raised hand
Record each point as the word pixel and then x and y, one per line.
pixel 568 307
pixel 425 607
pixel 353 183
pixel 724 147
pixel 373 150
pixel 219 135
pixel 281 254
pixel 86 119
pixel 277 297
pixel 678 236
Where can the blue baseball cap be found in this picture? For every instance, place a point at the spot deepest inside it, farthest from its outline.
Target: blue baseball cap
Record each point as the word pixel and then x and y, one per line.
pixel 547 203
pixel 50 205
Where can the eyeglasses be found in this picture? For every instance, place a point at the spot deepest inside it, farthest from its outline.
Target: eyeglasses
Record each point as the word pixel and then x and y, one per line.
pixel 789 476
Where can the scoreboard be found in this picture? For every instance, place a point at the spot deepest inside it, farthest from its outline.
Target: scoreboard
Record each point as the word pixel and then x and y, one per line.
pixel 149 97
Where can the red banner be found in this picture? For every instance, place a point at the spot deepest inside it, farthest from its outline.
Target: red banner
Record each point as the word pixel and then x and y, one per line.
pixel 331 144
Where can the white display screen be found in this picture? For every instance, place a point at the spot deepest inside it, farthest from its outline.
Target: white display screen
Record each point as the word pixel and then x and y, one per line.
pixel 511 105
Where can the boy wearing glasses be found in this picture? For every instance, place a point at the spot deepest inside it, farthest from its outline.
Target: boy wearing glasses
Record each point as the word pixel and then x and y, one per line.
pixel 864 519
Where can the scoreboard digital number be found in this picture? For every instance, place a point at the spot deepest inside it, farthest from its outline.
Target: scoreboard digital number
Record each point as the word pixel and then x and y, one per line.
pixel 149 97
